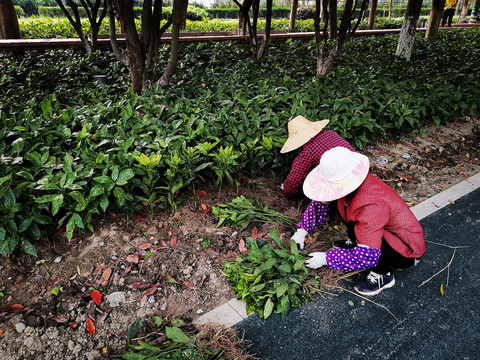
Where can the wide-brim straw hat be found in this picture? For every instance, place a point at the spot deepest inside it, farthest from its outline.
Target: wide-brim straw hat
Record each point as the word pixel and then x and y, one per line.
pixel 340 172
pixel 300 131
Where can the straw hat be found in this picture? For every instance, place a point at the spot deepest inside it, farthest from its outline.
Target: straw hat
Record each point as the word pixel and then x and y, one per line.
pixel 340 172
pixel 300 130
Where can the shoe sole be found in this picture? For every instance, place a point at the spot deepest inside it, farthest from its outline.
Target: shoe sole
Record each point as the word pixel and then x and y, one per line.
pixel 372 293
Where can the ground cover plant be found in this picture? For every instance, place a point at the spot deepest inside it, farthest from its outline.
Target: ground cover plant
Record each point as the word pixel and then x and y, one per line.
pixel 271 278
pixel 73 148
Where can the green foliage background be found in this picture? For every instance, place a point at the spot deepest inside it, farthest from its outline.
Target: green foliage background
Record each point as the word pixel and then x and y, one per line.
pixel 69 147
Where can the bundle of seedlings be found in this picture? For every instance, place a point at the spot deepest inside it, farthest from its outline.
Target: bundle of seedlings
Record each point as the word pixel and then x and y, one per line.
pixel 271 278
pixel 242 211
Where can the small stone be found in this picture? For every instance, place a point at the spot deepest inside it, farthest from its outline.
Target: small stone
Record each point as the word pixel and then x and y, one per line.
pixel 116 298
pixel 58 259
pixel 406 156
pixel 20 327
pixel 200 311
pixel 101 243
pixel 381 160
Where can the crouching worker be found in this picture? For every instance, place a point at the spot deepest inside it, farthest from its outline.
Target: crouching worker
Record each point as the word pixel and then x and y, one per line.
pixel 384 233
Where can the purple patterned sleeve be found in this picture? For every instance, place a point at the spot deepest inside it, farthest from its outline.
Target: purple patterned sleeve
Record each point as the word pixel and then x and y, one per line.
pixel 313 216
pixel 357 258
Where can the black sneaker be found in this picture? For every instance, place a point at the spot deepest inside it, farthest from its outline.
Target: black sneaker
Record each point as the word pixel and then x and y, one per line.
pixel 344 244
pixel 374 284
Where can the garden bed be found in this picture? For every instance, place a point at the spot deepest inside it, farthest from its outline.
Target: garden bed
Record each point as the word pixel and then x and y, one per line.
pixel 181 276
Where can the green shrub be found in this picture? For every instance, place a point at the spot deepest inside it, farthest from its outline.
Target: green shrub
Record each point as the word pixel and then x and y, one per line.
pixel 305 13
pixel 19 11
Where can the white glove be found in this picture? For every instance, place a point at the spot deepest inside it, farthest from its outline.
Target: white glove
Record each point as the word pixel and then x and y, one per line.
pixel 317 259
pixel 299 237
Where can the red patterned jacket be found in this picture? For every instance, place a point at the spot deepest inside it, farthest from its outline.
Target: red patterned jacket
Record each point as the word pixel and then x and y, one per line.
pixel 379 212
pixel 309 157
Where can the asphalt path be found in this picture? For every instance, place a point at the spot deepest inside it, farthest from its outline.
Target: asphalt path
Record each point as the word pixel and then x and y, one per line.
pixel 418 322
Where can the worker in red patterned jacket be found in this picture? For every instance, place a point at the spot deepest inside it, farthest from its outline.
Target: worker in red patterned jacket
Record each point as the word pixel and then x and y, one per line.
pixel 384 233
pixel 314 141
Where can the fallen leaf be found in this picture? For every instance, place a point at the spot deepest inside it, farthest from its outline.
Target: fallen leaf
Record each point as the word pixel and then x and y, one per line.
pixel 102 317
pixel 60 318
pixel 126 270
pixel 145 246
pixel 132 259
pixel 73 325
pixel 150 291
pixel 189 285
pixel 233 254
pixel 441 290
pixel 205 208
pixel 451 202
pixel 139 285
pixel 51 283
pixel 98 269
pixel 173 242
pixel 74 241
pixel 105 276
pixel 241 246
pixel 159 247
pixel 1 333
pixel 39 262
pixel 96 297
pixel 11 308
pixel 169 232
pixel 78 271
pixel 200 193
pixel 140 217
pixel 90 326
pixel 461 164
pixel 18 280
pixel 84 294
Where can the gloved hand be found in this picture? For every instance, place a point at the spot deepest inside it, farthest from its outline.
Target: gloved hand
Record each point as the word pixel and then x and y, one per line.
pixel 299 237
pixel 317 259
pixel 282 187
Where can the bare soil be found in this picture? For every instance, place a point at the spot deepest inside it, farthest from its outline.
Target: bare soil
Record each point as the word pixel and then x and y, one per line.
pixel 163 266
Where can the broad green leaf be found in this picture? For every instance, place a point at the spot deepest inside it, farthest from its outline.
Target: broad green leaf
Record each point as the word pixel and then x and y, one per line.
pixel 282 289
pixel 177 335
pixel 134 329
pixel 28 247
pixel 125 176
pixel 268 308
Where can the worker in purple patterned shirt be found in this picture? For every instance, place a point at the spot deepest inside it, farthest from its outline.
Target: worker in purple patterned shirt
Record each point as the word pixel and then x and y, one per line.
pixel 384 233
pixel 314 141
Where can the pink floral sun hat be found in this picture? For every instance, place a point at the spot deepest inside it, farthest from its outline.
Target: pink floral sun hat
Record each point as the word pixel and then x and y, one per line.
pixel 340 172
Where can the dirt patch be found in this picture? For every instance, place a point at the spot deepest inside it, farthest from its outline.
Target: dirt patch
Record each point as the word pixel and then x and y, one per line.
pixel 170 265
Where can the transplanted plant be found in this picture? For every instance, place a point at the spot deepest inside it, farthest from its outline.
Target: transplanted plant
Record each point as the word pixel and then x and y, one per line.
pixel 242 211
pixel 271 278
pixel 149 181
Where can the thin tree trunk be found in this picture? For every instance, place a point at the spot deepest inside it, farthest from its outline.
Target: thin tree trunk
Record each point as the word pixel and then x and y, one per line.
pixel 372 15
pixel 464 11
pixel 9 28
pixel 268 26
pixel 293 14
pixel 174 45
pixel 332 8
pixel 434 19
pixel 409 29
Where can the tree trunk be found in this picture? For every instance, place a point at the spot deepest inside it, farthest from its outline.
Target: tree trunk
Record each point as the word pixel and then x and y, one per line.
pixel 464 12
pixel 408 31
pixel 9 28
pixel 183 15
pixel 293 14
pixel 372 15
pixel 174 44
pixel 268 26
pixel 434 19
pixel 332 8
